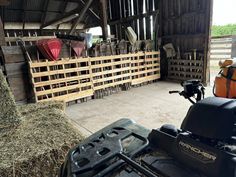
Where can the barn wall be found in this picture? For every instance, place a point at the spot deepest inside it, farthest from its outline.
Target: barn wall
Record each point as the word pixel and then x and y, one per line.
pixel 141 15
pixel 184 23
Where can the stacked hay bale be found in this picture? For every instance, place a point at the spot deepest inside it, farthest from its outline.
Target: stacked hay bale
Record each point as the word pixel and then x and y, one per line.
pixel 38 144
pixel 9 115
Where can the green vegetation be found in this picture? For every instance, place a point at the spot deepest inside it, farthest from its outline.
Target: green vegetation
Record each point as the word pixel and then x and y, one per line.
pixel 223 30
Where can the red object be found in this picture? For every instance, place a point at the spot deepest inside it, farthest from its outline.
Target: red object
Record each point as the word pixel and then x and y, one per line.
pixel 50 48
pixel 78 47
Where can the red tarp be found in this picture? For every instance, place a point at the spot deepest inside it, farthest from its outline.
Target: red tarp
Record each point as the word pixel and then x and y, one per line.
pixel 50 48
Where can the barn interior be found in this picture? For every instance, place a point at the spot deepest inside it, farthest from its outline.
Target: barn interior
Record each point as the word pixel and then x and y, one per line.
pixel 91 63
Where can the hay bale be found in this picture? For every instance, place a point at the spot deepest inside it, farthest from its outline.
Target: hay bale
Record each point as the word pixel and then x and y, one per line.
pixel 38 146
pixel 27 109
pixel 9 115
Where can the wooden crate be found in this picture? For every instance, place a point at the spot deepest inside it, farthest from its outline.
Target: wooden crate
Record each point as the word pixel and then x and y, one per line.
pixel 66 80
pixel 145 67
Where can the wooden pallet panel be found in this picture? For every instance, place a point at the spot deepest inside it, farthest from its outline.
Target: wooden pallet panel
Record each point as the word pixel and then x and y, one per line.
pixel 145 68
pixel 73 79
pixel 182 69
pixel 65 80
pixel 110 72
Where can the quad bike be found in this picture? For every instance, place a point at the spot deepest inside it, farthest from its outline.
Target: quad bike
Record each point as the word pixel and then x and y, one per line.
pixel 204 146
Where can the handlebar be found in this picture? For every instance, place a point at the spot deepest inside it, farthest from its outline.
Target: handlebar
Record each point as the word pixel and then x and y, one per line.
pixel 172 92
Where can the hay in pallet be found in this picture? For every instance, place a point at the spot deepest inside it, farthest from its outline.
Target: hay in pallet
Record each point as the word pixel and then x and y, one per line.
pixel 38 145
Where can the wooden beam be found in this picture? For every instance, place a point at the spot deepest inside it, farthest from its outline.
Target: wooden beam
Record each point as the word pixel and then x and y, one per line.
pixel 2 34
pixel 44 14
pixel 24 13
pixel 103 4
pixel 81 16
pixel 63 10
pixel 66 15
pixel 134 17
pixel 28 39
pixel 92 11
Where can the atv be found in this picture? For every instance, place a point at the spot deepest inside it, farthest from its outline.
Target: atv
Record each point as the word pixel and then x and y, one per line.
pixel 204 146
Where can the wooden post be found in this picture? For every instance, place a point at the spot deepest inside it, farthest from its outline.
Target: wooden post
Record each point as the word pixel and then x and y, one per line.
pixel 233 53
pixel 2 34
pixel 104 19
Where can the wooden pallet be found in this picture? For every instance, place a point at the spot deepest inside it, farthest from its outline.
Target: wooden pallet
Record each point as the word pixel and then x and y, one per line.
pixel 65 80
pixel 182 69
pixel 145 68
pixel 110 71
pixel 74 79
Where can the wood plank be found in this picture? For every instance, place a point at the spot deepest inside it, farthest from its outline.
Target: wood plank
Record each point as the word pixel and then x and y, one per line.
pixel 63 61
pixel 71 97
pixel 145 79
pixel 111 78
pixel 112 84
pixel 186 73
pixel 28 39
pixel 109 64
pixel 109 72
pixel 50 73
pixel 59 81
pixel 132 18
pixel 2 33
pixel 16 69
pixel 61 89
pixel 19 86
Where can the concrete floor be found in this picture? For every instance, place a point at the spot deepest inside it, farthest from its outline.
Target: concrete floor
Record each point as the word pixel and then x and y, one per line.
pixel 150 106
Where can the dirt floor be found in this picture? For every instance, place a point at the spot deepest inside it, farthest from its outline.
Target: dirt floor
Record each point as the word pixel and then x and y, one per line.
pixel 150 106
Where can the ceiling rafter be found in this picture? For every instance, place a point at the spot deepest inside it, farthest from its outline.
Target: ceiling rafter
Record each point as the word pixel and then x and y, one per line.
pixel 24 13
pixel 90 10
pixel 81 16
pixel 66 15
pixel 45 9
pixel 63 11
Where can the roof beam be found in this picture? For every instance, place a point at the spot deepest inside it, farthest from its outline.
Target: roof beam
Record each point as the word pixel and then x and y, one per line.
pixel 134 17
pixel 66 15
pixel 63 11
pixel 24 14
pixel 90 10
pixel 44 14
pixel 81 16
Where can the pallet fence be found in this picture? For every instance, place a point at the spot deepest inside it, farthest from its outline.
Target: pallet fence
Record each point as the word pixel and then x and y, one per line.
pixel 74 79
